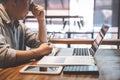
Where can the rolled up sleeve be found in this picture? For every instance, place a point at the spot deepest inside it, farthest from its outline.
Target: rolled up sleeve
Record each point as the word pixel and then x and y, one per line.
pixel 7 54
pixel 10 58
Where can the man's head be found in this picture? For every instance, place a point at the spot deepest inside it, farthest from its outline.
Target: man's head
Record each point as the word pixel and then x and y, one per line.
pixel 16 9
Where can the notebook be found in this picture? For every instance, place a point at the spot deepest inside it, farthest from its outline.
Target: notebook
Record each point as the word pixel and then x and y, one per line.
pixel 76 56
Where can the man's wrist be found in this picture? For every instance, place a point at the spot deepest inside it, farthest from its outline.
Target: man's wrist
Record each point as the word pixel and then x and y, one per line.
pixel 34 52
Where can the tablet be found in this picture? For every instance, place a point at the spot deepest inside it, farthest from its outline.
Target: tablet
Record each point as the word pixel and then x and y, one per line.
pixel 37 69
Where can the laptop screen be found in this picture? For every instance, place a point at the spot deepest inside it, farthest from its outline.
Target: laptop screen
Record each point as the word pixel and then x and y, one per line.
pixel 98 40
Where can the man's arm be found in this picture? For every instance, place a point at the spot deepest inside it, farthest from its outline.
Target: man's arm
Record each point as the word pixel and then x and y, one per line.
pixel 43 49
pixel 39 13
pixel 42 34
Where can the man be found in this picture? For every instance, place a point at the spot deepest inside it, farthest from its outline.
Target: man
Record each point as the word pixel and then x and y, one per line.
pixel 15 36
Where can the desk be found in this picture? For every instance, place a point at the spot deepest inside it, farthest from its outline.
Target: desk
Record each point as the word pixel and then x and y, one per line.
pixel 13 73
pixel 108 62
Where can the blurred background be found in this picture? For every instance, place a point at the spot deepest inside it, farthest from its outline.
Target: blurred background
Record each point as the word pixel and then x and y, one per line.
pixel 78 19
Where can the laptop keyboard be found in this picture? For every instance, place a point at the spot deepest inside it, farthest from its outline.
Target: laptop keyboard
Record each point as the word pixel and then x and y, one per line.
pixel 80 52
pixel 80 69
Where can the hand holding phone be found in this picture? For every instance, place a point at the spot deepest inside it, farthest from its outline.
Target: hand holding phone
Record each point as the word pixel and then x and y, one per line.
pixel 37 10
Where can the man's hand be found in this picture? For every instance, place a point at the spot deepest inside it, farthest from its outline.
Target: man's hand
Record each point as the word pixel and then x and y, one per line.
pixel 38 12
pixel 45 49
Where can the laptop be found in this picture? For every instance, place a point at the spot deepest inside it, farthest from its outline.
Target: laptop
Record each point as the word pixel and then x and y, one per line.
pixel 76 56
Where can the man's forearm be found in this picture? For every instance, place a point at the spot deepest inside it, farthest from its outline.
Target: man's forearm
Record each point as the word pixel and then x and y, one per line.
pixel 22 56
pixel 42 34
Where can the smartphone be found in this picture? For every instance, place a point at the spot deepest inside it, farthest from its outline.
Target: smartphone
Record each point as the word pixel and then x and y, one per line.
pixel 37 69
pixel 31 6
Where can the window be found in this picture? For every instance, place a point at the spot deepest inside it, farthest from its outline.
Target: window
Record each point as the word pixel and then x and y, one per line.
pixel 95 13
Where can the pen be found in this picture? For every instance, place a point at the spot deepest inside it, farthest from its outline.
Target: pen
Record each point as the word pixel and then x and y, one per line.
pixel 53 51
pixel 52 35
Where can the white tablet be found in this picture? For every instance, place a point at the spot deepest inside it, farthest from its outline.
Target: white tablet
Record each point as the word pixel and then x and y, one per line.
pixel 37 69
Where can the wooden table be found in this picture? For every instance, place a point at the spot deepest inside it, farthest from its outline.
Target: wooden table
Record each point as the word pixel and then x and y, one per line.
pixel 102 56
pixel 13 74
pixel 108 62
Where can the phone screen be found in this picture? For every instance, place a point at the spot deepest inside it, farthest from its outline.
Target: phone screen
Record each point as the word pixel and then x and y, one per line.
pixel 41 69
pixel 37 69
